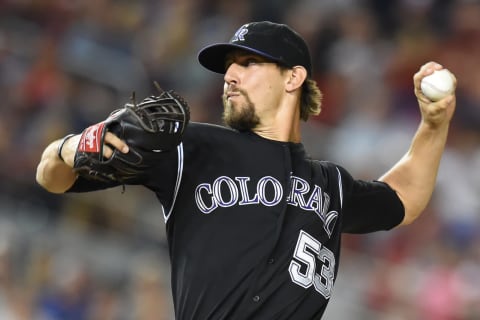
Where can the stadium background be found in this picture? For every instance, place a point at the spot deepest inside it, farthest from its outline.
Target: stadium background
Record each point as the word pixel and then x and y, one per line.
pixel 67 64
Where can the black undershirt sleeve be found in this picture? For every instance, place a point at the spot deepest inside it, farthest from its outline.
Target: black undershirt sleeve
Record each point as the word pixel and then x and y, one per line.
pixel 369 206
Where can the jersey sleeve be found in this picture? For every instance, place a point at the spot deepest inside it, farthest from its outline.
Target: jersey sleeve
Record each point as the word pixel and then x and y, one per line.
pixel 369 206
pixel 86 185
pixel 162 178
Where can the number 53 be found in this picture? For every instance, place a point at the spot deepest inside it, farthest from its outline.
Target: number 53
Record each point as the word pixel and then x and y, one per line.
pixel 307 251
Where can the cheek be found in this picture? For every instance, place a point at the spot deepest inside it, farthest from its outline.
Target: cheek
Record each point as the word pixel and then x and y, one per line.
pixel 258 88
pixel 266 92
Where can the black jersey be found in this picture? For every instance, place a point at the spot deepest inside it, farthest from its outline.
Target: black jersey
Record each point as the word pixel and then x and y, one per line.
pixel 254 225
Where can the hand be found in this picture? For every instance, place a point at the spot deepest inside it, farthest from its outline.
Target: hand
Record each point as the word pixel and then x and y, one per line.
pixel 434 114
pixel 111 142
pixel 115 142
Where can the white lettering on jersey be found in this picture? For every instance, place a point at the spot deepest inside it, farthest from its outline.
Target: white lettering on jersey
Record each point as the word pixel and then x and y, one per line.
pixel 277 194
pixel 314 200
pixel 226 192
pixel 246 199
pixel 313 264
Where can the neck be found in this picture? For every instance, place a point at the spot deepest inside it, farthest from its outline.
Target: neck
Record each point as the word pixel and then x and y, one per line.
pixel 283 126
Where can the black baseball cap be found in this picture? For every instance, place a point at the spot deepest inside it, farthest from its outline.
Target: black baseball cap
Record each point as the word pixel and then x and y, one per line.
pixel 277 42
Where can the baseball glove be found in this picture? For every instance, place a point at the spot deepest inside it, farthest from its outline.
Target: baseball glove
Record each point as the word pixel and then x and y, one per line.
pixel 150 127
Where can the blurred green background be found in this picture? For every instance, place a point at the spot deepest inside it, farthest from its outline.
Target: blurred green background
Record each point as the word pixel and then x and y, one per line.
pixel 67 64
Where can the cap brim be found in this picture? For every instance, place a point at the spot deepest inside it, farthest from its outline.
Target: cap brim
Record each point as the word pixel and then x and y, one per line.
pixel 213 57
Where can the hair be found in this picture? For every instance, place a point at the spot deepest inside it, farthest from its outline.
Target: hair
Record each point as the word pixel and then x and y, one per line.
pixel 310 100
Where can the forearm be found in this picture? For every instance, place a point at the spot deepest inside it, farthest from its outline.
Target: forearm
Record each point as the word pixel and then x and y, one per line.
pixel 56 175
pixel 414 176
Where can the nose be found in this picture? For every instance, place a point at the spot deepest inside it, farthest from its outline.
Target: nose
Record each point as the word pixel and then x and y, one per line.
pixel 231 74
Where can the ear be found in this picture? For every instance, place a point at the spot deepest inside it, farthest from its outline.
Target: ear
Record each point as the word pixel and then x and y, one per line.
pixel 296 78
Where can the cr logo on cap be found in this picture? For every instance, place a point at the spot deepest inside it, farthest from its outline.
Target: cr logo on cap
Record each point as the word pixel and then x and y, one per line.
pixel 239 35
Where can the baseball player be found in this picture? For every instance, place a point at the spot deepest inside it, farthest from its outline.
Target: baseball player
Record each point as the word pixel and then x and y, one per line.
pixel 253 223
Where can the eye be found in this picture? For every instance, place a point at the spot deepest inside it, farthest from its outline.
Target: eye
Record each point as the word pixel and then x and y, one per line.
pixel 245 61
pixel 250 61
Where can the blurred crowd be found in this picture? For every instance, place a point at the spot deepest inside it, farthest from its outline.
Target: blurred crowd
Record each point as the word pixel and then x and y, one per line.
pixel 67 64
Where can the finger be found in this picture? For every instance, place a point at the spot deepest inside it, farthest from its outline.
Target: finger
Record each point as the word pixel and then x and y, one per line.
pixel 107 152
pixel 425 70
pixel 116 142
pixel 429 67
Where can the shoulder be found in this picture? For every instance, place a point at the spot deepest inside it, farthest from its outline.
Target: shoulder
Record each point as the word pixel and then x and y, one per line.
pixel 331 169
pixel 195 128
pixel 198 133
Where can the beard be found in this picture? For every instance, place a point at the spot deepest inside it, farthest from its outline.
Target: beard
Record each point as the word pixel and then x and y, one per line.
pixel 240 117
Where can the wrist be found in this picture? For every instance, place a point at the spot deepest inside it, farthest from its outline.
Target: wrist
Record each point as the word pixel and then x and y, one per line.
pixel 62 144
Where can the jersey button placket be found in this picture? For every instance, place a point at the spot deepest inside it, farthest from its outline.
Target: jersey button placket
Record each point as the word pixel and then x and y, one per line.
pixel 256 298
pixel 271 261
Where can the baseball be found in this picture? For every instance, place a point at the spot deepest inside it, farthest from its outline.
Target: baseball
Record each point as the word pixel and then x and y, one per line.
pixel 437 85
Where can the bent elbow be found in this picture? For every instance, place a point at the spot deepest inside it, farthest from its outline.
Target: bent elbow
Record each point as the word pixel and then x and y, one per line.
pixel 411 215
pixel 48 182
pixel 43 182
pixel 407 220
pixel 40 176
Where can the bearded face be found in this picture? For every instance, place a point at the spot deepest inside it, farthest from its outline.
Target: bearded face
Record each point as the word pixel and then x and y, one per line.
pixel 239 111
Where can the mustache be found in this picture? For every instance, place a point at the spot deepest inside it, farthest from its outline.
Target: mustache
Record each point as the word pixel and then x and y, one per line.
pixel 233 90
